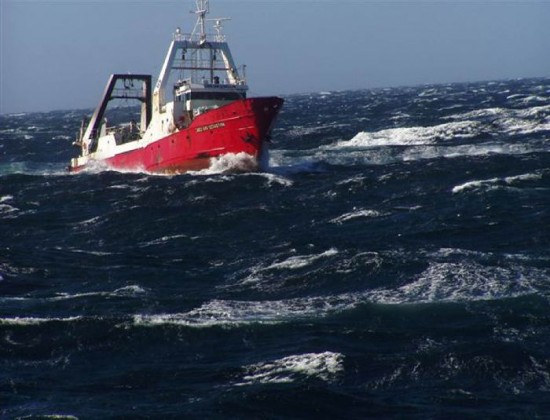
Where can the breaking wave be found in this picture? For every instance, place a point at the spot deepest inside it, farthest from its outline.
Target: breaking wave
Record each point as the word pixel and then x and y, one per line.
pixel 232 163
pixel 496 183
pixel 413 136
pixel 325 366
pixel 465 281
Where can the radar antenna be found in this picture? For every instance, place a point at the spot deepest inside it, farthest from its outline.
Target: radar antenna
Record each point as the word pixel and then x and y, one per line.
pixel 218 26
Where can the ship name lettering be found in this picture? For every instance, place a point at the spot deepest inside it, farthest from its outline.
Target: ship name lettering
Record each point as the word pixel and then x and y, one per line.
pixel 210 127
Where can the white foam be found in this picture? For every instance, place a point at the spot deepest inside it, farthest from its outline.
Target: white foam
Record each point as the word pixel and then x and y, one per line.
pixel 517 126
pixel 470 185
pixel 410 136
pixel 209 179
pixel 217 313
pixel 231 163
pixel 355 214
pixel 535 98
pixel 87 252
pixel 357 179
pixel 511 121
pixel 126 291
pixel 90 222
pixel 273 179
pixel 301 261
pixel 465 281
pixel 284 162
pixel 6 209
pixel 129 291
pixel 163 240
pixel 94 167
pixel 515 96
pixel 497 182
pixel 478 113
pixel 267 275
pixel 325 366
pixel 440 282
pixel 35 321
pixel 522 178
pixel 428 93
pixel 536 111
pixel 415 154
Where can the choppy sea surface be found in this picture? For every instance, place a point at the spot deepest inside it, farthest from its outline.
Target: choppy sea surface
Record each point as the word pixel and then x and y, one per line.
pixel 392 261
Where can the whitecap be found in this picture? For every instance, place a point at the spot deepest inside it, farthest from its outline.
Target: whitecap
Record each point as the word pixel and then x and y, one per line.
pixel 94 167
pixel 126 291
pixel 465 281
pixel 129 291
pixel 273 179
pixel 428 93
pixel 266 275
pixel 411 136
pixel 470 185
pixel 357 179
pixel 6 209
pixel 89 222
pixel 301 261
pixel 302 131
pixel 478 113
pixel 231 163
pixel 26 321
pixel 485 149
pixel 230 313
pixel 523 178
pixel 325 366
pixel 511 121
pixel 534 98
pixel 497 182
pixel 441 281
pixel 163 240
pixel 355 214
pixel 88 252
pixel 516 95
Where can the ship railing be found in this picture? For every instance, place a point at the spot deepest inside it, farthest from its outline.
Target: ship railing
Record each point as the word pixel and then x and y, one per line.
pixel 197 37
pixel 241 85
pixel 125 132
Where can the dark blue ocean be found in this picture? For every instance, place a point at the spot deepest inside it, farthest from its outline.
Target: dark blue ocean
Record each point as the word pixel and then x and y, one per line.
pixel 392 261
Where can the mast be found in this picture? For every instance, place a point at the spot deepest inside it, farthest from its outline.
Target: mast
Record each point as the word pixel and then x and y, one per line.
pixel 203 8
pixel 199 55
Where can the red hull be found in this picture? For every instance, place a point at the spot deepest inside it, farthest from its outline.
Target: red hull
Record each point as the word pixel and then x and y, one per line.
pixel 241 126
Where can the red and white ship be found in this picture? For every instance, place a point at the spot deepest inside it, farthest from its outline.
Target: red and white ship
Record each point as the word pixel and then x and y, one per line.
pixel 206 116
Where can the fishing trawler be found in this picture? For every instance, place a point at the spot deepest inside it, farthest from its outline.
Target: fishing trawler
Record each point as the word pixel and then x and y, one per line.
pixel 197 112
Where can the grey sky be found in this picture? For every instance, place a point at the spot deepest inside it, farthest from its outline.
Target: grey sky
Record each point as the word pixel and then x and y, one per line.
pixel 59 54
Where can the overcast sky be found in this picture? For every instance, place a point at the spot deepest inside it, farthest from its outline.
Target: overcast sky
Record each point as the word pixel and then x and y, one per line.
pixel 58 54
